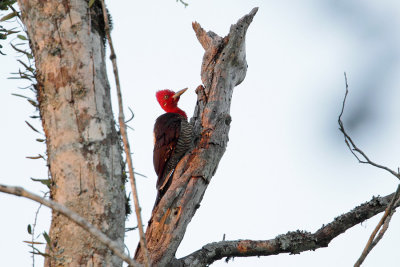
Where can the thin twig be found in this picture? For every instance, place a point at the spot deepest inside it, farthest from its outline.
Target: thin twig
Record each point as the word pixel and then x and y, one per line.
pixel 132 115
pixel 140 174
pixel 372 241
pixel 382 231
pixel 352 146
pixel 112 245
pixel 33 231
pixel 122 126
pixel 130 229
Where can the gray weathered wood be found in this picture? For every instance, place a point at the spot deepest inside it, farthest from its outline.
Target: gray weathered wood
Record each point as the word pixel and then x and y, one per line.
pixel 224 66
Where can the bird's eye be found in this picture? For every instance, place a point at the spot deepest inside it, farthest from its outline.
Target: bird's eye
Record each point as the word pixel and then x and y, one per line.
pixel 166 97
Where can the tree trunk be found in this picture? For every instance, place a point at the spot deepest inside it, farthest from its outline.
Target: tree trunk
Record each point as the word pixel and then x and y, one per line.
pixel 83 147
pixel 224 67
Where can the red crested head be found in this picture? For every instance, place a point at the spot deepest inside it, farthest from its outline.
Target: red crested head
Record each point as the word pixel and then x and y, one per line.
pixel 168 101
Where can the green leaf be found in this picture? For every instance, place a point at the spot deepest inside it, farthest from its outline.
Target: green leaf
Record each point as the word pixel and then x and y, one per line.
pixel 40 253
pixel 33 128
pixel 5 4
pixel 47 238
pixel 20 96
pixel 11 32
pixel 19 50
pixel 91 2
pixel 33 243
pixel 8 16
pixel 35 157
pixel 29 229
pixel 33 103
pixel 25 65
pixel 22 37
pixel 46 182
pixel 184 3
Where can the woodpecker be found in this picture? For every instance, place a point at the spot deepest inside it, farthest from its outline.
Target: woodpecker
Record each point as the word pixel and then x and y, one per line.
pixel 172 138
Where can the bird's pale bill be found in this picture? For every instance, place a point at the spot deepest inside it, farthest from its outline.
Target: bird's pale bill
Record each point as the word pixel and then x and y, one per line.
pixel 178 94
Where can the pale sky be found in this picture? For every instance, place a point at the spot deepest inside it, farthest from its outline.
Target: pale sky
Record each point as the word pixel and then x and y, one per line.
pixel 286 166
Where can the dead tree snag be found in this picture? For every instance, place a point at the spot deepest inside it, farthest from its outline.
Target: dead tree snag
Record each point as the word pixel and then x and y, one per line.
pixel 224 67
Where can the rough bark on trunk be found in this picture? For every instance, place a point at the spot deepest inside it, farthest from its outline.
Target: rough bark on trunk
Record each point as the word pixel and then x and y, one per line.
pixel 84 154
pixel 224 67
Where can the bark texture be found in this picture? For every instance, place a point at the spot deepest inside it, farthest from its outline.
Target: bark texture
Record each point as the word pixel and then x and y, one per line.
pixel 224 66
pixel 84 153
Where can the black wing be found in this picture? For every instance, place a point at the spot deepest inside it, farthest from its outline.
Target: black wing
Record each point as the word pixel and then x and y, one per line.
pixel 166 134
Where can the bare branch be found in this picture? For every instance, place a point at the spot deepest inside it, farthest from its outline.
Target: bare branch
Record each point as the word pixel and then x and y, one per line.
pixel 112 245
pixel 122 126
pixel 292 242
pixel 352 146
pixel 373 240
pixel 384 223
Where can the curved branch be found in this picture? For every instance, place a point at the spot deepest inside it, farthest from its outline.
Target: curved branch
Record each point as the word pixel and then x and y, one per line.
pixel 292 242
pixel 353 147
pixel 112 245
